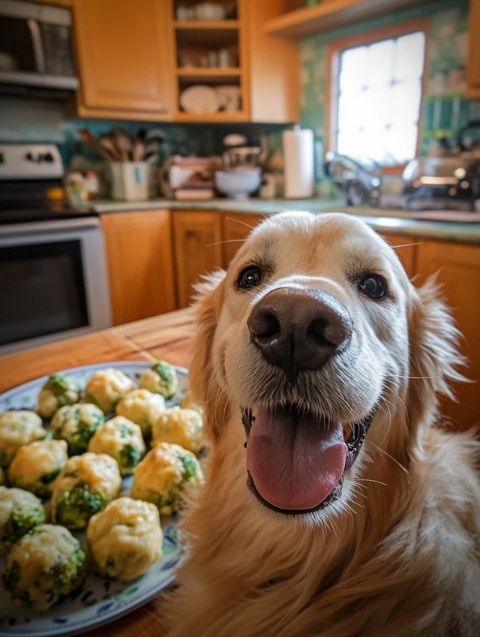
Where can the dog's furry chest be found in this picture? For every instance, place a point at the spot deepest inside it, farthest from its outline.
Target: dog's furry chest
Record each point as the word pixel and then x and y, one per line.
pixel 250 574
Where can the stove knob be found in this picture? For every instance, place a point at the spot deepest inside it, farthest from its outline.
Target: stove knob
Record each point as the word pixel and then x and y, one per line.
pixel 48 157
pixel 29 157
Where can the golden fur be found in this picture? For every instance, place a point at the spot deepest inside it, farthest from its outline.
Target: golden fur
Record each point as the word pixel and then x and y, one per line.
pixel 399 555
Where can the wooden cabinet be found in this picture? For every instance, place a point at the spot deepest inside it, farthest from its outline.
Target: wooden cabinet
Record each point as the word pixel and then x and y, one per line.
pixel 405 248
pixel 458 267
pixel 140 264
pixel 124 52
pixel 236 228
pixel 261 65
pixel 135 59
pixel 197 248
pixel 273 66
pixel 473 60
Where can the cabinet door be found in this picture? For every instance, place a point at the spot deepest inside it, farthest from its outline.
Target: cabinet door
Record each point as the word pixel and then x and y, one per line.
pixel 236 228
pixel 273 65
pixel 140 264
pixel 198 249
pixel 473 60
pixel 125 55
pixel 405 248
pixel 458 268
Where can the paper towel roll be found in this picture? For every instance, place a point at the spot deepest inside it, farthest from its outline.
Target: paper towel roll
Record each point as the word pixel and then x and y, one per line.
pixel 298 160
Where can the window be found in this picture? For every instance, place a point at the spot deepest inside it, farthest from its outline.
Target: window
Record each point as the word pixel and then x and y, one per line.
pixel 378 97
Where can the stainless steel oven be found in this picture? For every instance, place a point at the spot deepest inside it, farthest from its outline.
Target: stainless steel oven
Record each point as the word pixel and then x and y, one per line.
pixel 53 281
pixel 53 273
pixel 36 46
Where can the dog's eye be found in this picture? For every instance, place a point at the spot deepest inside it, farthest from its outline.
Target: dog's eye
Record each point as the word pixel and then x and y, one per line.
pixel 249 277
pixel 374 286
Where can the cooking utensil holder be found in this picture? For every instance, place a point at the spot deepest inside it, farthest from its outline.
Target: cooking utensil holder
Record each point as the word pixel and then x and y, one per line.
pixel 130 180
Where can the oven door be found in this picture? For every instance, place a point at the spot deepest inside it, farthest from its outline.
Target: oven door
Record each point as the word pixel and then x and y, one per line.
pixel 53 281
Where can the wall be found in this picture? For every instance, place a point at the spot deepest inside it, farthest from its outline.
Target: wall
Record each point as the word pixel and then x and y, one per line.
pixel 444 109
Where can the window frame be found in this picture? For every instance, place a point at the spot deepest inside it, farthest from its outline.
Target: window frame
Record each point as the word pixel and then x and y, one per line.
pixel 334 50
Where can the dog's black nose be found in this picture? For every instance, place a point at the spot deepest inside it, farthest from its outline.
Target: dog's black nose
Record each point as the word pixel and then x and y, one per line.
pixel 299 329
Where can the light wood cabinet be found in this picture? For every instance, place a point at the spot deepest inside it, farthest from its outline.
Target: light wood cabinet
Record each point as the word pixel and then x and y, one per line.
pixel 124 51
pixel 261 65
pixel 273 66
pixel 405 248
pixel 458 267
pixel 135 59
pixel 197 248
pixel 236 228
pixel 140 264
pixel 473 60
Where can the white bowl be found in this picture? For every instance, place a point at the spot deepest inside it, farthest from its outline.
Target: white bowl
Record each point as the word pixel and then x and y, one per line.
pixel 209 11
pixel 238 184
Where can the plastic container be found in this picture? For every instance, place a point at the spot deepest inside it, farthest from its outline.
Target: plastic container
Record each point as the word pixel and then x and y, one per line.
pixel 130 180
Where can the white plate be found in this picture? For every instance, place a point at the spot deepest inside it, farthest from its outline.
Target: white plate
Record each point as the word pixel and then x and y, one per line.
pixel 199 99
pixel 100 600
pixel 229 97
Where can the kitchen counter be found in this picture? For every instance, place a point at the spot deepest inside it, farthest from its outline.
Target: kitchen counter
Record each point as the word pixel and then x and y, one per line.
pixel 163 337
pixel 381 219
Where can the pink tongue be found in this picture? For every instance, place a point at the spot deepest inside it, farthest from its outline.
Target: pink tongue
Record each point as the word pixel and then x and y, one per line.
pixel 295 463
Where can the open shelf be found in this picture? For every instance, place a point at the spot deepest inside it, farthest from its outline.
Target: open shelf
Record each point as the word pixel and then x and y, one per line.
pixel 199 25
pixel 208 73
pixel 331 14
pixel 221 116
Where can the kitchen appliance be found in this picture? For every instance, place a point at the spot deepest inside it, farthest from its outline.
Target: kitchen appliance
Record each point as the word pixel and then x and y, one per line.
pixel 36 46
pixel 450 180
pixel 361 181
pixel 53 273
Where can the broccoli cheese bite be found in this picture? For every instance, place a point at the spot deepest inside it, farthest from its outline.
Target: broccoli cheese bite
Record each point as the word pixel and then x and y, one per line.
pixel 183 427
pixel 76 424
pixel 57 391
pixel 85 485
pixel 121 439
pixel 125 539
pixel 18 428
pixel 20 511
pixel 161 378
pixel 35 466
pixel 106 387
pixel 164 475
pixel 44 567
pixel 143 407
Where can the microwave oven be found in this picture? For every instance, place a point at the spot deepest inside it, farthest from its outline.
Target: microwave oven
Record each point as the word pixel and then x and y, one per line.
pixel 36 47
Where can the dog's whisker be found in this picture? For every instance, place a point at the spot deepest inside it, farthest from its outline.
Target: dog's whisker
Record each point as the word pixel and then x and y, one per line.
pixel 219 243
pixel 242 223
pixel 406 245
pixel 399 464
pixel 371 480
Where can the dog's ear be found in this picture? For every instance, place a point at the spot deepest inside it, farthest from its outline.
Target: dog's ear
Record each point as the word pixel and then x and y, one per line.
pixel 203 384
pixel 434 355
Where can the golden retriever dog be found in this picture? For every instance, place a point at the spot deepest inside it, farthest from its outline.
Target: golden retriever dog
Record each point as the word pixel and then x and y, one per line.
pixel 333 503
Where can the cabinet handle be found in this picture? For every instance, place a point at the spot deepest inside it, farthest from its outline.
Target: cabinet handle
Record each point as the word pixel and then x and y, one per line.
pixel 190 233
